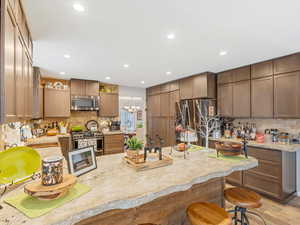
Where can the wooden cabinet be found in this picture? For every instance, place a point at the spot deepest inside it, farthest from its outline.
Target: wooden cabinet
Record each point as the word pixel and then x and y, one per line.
pixel 77 87
pixel 20 98
pixel 174 85
pixel 84 87
pixel 287 64
pixel 241 99
pixel 10 112
pixel 262 98
pixel 165 104
pixel 241 74
pixel 204 86
pixel 56 103
pixel 91 88
pixel 155 105
pixel 109 104
pixel 113 143
pixel 186 88
pixel 174 99
pixel 263 69
pixel 154 90
pixel 286 95
pixel 37 95
pixel 165 88
pixel 225 100
pixel 225 77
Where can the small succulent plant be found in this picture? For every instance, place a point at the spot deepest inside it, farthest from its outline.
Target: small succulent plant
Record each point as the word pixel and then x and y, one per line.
pixel 134 144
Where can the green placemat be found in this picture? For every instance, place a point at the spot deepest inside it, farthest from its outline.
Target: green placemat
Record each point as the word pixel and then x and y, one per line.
pixel 237 158
pixel 195 148
pixel 33 207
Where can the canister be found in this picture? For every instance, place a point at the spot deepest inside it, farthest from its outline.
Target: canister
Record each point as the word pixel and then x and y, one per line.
pixel 52 170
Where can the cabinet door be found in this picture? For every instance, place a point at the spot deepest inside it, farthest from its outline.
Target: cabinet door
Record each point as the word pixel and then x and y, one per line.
pixel 26 84
pixel 286 95
pixel 150 105
pixel 186 88
pixel 165 88
pixel 174 99
pixel 20 87
pixel 172 134
pixel 200 86
pixel 225 100
pixel 164 104
pixel 78 87
pixel 57 103
pixel 154 90
pixel 242 73
pixel 263 69
pixel 287 64
pixel 92 88
pixel 109 104
pixel 41 103
pixel 9 70
pixel 225 77
pixel 262 98
pixel 156 105
pixel 174 85
pixel 241 99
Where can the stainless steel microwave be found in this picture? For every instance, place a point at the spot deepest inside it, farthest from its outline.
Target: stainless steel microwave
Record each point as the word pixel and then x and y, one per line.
pixel 85 103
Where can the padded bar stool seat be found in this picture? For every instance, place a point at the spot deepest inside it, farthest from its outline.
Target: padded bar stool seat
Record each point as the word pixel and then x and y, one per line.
pixel 204 213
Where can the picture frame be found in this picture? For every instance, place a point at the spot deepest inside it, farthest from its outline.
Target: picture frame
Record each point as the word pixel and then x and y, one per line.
pixel 82 161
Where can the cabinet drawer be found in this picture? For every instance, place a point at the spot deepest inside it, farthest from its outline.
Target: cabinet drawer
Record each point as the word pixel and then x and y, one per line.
pixel 114 138
pixel 268 168
pixel 265 154
pixel 262 184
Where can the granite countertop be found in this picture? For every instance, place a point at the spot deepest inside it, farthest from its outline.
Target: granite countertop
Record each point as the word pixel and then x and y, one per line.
pixel 116 186
pixel 275 146
pixel 45 139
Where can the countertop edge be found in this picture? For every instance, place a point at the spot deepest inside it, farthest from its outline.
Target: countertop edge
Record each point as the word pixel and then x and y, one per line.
pixel 131 203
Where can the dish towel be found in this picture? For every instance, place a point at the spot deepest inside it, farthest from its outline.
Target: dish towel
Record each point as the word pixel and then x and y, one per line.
pixel 33 207
pixel 237 158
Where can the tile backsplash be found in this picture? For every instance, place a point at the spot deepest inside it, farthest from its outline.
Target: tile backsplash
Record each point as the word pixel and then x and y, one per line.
pixel 291 126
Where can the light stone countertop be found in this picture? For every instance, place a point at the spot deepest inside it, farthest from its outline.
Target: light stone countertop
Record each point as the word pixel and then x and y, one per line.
pixel 275 146
pixel 112 132
pixel 116 186
pixel 45 139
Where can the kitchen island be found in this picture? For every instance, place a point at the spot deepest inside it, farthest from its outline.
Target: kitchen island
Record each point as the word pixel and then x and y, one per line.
pixel 121 196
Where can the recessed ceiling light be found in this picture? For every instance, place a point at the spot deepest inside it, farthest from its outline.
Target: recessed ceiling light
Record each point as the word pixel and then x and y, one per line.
pixel 168 73
pixel 125 65
pixel 78 7
pixel 62 73
pixel 67 56
pixel 142 82
pixel 171 36
pixel 107 78
pixel 223 53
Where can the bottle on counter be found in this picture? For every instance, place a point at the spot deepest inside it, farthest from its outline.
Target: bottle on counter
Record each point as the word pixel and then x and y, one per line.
pixel 227 132
pixel 253 132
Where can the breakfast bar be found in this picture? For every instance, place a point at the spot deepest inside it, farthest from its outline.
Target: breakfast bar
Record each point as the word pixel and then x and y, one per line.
pixel 121 196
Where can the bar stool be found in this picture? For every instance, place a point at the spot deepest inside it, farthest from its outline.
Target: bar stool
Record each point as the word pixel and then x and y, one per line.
pixel 243 200
pixel 204 213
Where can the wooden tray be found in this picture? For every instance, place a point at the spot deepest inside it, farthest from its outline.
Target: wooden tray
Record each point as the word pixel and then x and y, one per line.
pixel 166 161
pixel 42 192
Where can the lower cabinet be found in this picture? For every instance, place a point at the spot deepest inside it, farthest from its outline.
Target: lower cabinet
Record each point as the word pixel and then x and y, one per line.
pixel 113 143
pixel 275 176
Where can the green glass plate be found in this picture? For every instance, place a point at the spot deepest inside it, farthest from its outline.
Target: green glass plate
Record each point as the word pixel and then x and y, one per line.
pixel 18 164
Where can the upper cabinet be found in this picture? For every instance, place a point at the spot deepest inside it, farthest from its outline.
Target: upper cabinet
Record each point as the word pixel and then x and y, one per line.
pixel 186 88
pixel 38 95
pixel 174 85
pixel 57 103
pixel 241 99
pixel 204 86
pixel 263 69
pixel 84 87
pixel 225 77
pixel 241 74
pixel 262 97
pixel 198 86
pixel 154 90
pixel 109 105
pixel 225 100
pixel 286 95
pixel 287 64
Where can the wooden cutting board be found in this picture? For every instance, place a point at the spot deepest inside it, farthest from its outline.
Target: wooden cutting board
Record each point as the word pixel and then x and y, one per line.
pixel 42 192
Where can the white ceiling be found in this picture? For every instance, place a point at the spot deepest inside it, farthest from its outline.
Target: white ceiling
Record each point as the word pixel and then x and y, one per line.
pixel 111 33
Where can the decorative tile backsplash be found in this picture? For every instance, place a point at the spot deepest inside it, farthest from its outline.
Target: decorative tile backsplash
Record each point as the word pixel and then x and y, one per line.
pixel 291 126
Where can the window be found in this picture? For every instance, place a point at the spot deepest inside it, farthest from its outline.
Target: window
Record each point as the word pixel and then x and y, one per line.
pixel 128 120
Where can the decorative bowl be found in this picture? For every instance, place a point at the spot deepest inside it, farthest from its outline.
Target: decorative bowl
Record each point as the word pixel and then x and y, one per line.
pixel 228 148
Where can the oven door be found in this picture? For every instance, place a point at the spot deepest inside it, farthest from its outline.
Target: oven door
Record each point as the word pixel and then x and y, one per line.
pixel 88 103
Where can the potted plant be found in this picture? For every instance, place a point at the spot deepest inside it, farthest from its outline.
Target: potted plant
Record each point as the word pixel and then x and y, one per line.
pixel 134 146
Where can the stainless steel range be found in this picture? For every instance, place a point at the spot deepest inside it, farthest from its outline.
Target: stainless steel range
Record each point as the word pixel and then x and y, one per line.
pixel 88 138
